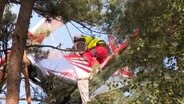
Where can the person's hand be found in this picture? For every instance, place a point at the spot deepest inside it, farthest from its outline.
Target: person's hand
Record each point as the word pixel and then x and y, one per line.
pixel 68 49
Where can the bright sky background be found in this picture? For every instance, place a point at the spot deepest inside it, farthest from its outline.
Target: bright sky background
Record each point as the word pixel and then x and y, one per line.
pixel 62 35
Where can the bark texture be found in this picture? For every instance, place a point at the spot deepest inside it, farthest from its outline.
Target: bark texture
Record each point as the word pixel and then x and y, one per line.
pixel 18 46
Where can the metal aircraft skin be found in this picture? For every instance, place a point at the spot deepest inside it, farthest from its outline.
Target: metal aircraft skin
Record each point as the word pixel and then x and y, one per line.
pixel 64 71
pixel 68 69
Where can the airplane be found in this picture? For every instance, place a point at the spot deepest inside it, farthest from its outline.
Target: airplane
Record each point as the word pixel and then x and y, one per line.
pixel 63 73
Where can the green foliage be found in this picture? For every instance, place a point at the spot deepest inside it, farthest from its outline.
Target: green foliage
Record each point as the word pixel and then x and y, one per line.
pixel 112 97
pixel 6 32
pixel 157 86
pixel 162 29
pixel 8 15
pixel 87 11
pixel 7 23
pixel 161 24
pixel 113 9
pixel 57 91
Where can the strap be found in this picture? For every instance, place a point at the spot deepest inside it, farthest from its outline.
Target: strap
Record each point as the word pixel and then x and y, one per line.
pixel 101 42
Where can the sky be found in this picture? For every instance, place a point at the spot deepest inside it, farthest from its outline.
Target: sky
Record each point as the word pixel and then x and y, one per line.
pixel 61 34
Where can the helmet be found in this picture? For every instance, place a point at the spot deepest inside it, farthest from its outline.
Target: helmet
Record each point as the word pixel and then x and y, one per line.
pixel 77 37
pixel 80 46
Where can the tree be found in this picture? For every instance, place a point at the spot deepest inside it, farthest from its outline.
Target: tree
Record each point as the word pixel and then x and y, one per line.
pixel 161 24
pixel 2 6
pixel 7 27
pixel 161 28
pixel 20 36
pixel 18 46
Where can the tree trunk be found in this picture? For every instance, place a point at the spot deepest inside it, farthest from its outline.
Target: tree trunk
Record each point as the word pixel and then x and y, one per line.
pixel 18 46
pixel 2 6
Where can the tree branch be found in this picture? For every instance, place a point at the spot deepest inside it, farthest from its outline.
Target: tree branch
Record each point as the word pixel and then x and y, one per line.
pixel 27 84
pixel 33 99
pixel 49 46
pixel 84 26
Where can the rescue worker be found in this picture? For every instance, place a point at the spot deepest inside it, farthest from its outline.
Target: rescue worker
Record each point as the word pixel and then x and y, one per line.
pixel 96 49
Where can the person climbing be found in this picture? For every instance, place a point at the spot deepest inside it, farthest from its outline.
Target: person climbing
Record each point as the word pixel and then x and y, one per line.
pixel 95 49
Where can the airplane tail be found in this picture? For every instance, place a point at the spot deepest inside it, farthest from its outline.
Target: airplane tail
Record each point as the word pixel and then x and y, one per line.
pixel 43 29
